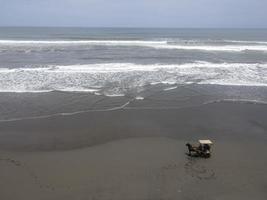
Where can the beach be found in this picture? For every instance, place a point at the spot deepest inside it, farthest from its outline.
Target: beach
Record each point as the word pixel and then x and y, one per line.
pixel 134 148
pixel 105 113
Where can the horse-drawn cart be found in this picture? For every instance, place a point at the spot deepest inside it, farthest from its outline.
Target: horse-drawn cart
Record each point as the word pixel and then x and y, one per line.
pixel 203 149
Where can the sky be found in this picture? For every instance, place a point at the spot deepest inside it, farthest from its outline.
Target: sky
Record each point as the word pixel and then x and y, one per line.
pixel 135 13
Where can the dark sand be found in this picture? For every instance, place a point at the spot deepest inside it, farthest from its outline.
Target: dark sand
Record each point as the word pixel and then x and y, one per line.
pixel 122 148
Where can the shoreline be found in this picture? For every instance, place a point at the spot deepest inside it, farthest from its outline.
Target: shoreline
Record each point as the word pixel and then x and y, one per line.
pixel 86 129
pixel 19 106
pixel 125 107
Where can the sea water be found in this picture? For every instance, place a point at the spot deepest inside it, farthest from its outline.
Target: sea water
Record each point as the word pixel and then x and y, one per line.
pixel 116 61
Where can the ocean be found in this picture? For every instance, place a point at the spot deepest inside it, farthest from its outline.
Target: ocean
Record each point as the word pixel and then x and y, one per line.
pixel 124 61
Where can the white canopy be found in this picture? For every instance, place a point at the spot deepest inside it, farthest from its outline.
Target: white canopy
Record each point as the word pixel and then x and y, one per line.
pixel 205 142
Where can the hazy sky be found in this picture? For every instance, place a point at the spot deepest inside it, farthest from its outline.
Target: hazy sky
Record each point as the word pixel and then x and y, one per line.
pixel 135 13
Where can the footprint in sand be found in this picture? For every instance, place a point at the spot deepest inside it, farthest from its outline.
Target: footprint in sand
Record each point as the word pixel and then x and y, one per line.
pixel 19 164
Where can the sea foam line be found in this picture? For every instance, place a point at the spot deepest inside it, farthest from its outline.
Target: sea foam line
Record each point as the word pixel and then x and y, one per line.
pixel 125 106
pixel 246 101
pixel 142 43
pixel 94 77
pixel 67 114
pixel 126 67
pixel 246 41
pixel 70 42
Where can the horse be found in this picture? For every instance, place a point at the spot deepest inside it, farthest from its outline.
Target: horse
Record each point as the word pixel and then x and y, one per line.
pixel 191 148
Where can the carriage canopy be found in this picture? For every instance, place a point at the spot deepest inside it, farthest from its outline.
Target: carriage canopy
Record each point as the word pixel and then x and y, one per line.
pixel 209 142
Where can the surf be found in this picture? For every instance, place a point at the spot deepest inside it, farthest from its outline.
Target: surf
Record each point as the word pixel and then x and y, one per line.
pixel 156 44
pixel 113 79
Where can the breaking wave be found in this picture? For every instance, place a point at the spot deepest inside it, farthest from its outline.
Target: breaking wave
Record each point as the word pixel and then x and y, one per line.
pixel 244 101
pixel 228 46
pixel 120 78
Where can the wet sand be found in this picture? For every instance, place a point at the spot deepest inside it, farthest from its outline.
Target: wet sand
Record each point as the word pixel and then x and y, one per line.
pixel 135 149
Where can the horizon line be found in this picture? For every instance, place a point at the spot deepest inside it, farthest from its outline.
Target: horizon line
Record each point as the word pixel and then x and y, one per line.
pixel 129 27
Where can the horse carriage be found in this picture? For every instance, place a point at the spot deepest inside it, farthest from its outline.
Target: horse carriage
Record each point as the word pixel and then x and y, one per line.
pixel 203 149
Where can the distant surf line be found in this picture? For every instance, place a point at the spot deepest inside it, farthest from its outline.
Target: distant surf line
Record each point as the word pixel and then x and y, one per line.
pixel 156 44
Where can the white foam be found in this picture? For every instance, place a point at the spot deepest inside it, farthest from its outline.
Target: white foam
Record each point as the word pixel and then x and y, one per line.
pixel 170 88
pixel 229 48
pixel 238 101
pixel 116 79
pixel 130 67
pixel 24 91
pixel 164 44
pixel 82 42
pixel 246 41
pixel 238 83
pixel 154 83
pixel 139 98
pixel 114 95
pixel 78 90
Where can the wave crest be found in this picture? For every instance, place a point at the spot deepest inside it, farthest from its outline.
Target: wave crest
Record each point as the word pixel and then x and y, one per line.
pixel 121 78
pixel 229 46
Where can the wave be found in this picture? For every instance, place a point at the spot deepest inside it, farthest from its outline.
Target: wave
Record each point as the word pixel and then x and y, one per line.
pixel 128 67
pixel 115 79
pixel 88 42
pixel 246 42
pixel 139 98
pixel 245 101
pixel 164 44
pixel 230 48
pixel 170 88
pixel 24 91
